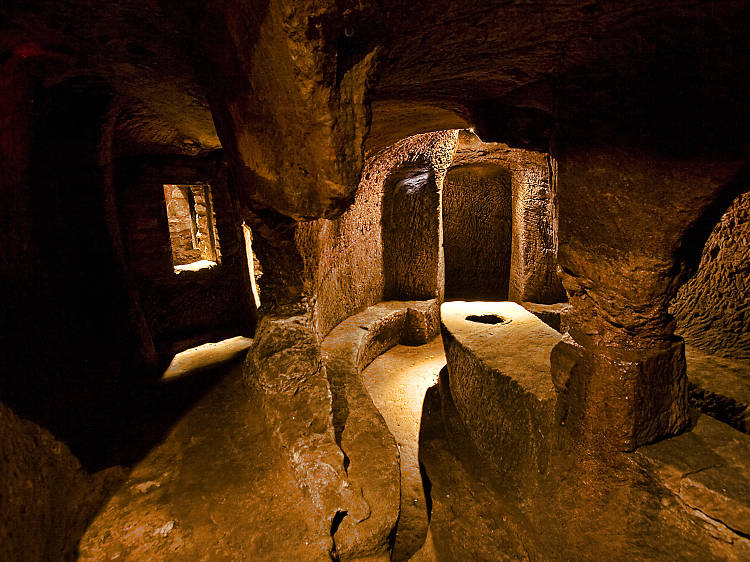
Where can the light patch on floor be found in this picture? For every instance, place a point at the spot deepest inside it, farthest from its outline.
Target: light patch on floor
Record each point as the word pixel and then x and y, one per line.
pixel 397 382
pixel 195 266
pixel 205 356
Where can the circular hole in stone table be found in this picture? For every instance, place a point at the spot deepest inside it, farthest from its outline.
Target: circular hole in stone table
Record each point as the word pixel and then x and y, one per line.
pixel 488 319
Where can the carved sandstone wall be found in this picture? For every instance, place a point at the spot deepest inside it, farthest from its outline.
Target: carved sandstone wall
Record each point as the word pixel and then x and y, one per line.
pixel 712 309
pixel 352 272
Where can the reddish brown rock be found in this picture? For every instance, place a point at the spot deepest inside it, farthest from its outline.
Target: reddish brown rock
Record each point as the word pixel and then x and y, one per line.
pixel 711 309
pixel 47 498
pixel 621 271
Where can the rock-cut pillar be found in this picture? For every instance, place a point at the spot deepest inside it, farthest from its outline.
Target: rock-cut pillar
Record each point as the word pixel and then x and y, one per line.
pixel 626 221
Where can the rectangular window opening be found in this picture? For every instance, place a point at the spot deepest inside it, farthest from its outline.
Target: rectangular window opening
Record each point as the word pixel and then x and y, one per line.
pixel 192 227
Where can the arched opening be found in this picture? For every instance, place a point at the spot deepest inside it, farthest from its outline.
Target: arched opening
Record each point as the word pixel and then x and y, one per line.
pixel 411 233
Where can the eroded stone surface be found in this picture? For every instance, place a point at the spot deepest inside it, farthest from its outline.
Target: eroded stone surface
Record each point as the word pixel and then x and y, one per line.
pixel 588 508
pixel 218 487
pixel 47 498
pixel 613 86
pixel 621 271
pixel 605 400
pixel 372 455
pixel 477 224
pixel 707 469
pixel 719 387
pixel 397 381
pixel 285 368
pixel 554 315
pixel 712 308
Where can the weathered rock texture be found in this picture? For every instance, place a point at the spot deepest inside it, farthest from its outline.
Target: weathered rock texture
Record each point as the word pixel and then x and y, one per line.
pixel 502 399
pixel 302 93
pixel 397 381
pixel 554 315
pixel 285 369
pixel 290 80
pixel 377 249
pixel 317 274
pixel 707 470
pixel 373 463
pixel 344 458
pixel 217 486
pixel 621 270
pixel 719 387
pixel 713 308
pixel 647 505
pixel 47 498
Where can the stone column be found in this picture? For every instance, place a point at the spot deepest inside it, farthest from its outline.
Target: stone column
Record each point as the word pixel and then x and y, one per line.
pixel 534 239
pixel 625 219
pixel 285 368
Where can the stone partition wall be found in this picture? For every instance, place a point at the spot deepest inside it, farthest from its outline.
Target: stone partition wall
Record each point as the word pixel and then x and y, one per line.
pixel 477 228
pixel 712 309
pixel 191 307
pixel 534 248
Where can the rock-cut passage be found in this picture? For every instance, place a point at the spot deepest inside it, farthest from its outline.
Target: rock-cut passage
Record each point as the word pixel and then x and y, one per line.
pixel 397 381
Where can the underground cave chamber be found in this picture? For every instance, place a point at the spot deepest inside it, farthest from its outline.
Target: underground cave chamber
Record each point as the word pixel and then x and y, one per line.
pixel 481 285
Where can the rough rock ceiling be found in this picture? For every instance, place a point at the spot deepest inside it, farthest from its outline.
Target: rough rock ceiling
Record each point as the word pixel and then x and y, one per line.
pixel 143 51
pixel 300 91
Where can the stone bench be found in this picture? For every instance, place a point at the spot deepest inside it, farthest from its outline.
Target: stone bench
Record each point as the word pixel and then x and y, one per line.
pixel 371 451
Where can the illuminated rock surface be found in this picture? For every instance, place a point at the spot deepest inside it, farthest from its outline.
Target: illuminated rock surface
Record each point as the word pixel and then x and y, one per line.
pixel 587 159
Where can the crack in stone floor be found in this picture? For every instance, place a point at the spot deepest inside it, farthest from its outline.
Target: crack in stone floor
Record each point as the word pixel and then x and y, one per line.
pixel 397 381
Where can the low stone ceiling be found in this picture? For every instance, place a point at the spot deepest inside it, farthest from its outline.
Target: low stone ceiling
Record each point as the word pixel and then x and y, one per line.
pixel 301 90
pixel 144 52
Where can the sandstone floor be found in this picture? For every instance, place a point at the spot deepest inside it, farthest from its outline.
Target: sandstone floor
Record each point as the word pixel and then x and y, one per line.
pixel 397 381
pixel 216 488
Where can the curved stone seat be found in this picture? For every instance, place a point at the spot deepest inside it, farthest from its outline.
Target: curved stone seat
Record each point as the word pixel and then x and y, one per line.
pixel 371 451
pixel 500 383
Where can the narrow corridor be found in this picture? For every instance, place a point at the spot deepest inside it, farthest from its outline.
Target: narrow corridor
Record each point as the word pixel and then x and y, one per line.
pixel 397 381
